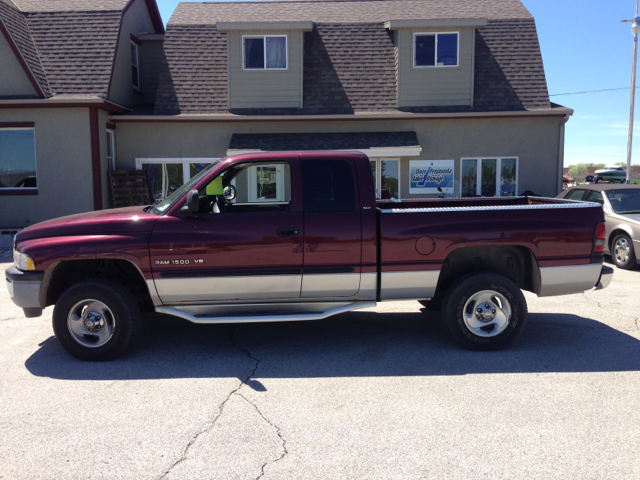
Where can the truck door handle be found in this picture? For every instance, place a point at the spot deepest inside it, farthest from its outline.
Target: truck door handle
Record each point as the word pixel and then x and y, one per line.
pixel 287 231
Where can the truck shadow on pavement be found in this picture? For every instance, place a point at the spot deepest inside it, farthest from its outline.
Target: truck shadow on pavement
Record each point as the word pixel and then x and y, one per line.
pixel 355 344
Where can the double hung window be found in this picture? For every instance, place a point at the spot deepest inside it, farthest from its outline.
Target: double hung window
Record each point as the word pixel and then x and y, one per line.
pixel 111 149
pixel 386 177
pixel 17 158
pixel 435 49
pixel 489 177
pixel 264 52
pixel 135 66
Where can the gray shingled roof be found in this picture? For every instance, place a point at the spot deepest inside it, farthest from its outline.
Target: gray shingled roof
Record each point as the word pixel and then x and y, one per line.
pixel 509 74
pixel 69 45
pixel 279 142
pixel 76 48
pixel 16 24
pixel 202 13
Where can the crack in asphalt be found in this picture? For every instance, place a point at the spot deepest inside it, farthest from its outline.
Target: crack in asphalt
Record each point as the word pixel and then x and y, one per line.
pixel 278 432
pixel 635 319
pixel 208 427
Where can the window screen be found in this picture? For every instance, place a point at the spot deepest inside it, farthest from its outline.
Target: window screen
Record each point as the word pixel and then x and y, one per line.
pixel 327 186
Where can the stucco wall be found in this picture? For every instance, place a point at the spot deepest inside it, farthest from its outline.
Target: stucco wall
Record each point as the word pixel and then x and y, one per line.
pixel 63 164
pixel 265 88
pixel 136 19
pixel 434 86
pixel 13 79
pixel 534 140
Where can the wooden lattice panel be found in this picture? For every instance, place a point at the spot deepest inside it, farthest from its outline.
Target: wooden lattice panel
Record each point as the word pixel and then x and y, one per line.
pixel 128 187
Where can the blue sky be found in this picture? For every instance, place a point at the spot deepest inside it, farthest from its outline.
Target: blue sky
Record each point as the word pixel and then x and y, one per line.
pixel 584 47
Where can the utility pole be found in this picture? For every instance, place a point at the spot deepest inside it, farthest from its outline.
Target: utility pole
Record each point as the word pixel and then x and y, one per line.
pixel 635 29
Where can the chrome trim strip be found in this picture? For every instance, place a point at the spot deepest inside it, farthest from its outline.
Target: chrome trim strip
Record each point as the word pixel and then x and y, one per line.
pixel 409 285
pixel 493 208
pixel 261 312
pixel 330 285
pixel 207 289
pixel 568 279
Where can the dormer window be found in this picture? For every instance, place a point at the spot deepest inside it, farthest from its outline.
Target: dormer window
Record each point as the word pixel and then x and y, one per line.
pixel 435 49
pixel 264 52
pixel 135 62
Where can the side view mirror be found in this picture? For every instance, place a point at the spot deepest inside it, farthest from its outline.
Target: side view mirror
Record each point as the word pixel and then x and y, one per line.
pixel 190 209
pixel 229 193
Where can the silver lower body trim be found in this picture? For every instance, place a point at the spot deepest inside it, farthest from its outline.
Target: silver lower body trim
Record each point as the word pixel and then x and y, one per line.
pixel 330 285
pixel 263 312
pixel 408 285
pixel 569 279
pixel 208 289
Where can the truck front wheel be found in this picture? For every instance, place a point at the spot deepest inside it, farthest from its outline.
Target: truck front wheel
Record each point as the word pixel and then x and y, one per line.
pixel 96 320
pixel 484 311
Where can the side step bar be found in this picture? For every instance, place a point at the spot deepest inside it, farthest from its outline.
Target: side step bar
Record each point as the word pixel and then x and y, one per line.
pixel 262 312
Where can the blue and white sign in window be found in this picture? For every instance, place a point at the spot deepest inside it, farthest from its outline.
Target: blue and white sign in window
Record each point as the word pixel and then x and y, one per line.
pixel 431 177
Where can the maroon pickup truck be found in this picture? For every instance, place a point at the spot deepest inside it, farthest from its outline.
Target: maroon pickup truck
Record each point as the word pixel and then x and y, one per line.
pixel 300 236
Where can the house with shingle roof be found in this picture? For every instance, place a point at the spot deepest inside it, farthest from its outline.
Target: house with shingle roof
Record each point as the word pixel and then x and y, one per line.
pixel 456 83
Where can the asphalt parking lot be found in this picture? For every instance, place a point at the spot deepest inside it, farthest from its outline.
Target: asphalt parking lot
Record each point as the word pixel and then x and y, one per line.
pixel 371 394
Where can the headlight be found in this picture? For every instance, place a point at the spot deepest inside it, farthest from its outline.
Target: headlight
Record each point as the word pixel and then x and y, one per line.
pixel 22 261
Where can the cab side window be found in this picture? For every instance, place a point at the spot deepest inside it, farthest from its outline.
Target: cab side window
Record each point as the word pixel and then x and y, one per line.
pixel 575 195
pixel 258 187
pixel 596 197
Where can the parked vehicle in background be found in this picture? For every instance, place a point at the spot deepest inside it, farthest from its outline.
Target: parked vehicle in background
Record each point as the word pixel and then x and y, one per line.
pixel 612 173
pixel 223 248
pixel 621 205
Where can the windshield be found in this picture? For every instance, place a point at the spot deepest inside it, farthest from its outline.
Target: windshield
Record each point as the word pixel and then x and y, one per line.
pixel 625 201
pixel 165 204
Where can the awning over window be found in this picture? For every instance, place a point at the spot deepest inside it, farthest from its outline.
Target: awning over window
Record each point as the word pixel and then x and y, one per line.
pixel 373 144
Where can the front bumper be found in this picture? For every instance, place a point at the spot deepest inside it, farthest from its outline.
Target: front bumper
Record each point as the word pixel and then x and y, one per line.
pixel 24 289
pixel 605 278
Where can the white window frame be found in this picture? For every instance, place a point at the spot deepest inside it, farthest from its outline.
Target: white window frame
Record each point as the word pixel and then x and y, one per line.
pixel 35 157
pixel 435 60
pixel 264 41
pixel 253 184
pixel 186 172
pixel 498 171
pixel 378 185
pixel 111 142
pixel 137 64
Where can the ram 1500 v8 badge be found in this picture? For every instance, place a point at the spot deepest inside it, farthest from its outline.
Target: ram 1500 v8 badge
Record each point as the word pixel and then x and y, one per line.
pixel 300 236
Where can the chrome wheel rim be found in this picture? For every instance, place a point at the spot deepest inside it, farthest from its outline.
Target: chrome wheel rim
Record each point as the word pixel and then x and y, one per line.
pixel 621 250
pixel 91 323
pixel 487 313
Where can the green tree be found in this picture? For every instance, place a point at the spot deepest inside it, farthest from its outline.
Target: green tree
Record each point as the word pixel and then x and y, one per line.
pixel 578 171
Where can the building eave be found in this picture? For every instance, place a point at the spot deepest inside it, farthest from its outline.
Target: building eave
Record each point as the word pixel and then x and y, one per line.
pixel 63 103
pixel 225 117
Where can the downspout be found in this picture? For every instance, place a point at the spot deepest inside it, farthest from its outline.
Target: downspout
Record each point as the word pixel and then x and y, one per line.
pixel 561 152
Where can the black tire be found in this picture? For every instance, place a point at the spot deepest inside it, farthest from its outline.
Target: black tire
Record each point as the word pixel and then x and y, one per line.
pixel 433 305
pixel 498 296
pixel 118 328
pixel 623 253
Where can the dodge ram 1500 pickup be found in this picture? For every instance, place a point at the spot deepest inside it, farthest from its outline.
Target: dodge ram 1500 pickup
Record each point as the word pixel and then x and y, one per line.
pixel 301 236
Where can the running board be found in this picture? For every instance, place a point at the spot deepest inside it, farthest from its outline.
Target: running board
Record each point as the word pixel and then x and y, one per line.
pixel 261 312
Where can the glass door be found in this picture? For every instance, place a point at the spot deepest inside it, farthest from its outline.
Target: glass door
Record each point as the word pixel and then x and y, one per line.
pixel 266 183
pixel 489 171
pixel 386 177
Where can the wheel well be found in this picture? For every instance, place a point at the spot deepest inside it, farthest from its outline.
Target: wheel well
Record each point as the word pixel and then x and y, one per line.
pixel 614 234
pixel 517 263
pixel 62 275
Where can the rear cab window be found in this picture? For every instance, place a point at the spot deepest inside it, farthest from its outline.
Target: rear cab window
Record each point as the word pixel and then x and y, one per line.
pixel 328 186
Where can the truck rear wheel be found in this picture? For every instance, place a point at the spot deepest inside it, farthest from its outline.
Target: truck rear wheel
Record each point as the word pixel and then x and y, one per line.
pixel 96 320
pixel 484 311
